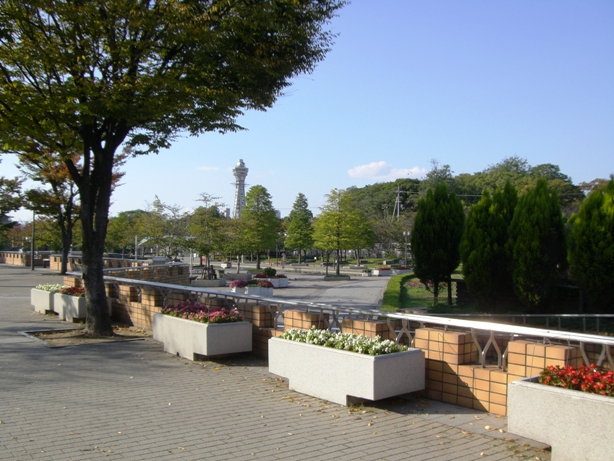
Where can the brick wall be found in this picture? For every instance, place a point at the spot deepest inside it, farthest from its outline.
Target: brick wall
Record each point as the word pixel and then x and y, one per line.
pixel 304 320
pixel 453 376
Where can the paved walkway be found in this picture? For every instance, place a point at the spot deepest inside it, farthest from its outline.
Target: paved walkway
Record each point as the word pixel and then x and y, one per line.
pixel 132 401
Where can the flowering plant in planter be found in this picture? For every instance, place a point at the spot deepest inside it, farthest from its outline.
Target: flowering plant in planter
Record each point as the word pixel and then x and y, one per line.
pixel 367 271
pixel 281 276
pixel 199 312
pixel 269 272
pixel 260 275
pixel 265 284
pixel 383 268
pixel 238 284
pixel 345 341
pixel 51 288
pixel 403 268
pixel 591 379
pixel 73 291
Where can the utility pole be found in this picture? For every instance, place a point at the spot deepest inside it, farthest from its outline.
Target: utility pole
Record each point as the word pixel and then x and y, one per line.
pixel 397 203
pixel 32 246
pixel 406 235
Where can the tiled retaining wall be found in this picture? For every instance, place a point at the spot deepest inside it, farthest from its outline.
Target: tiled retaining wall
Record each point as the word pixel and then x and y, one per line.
pixel 452 372
pixel 13 258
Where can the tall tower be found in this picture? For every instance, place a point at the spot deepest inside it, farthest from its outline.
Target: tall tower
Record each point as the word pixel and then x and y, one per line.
pixel 240 172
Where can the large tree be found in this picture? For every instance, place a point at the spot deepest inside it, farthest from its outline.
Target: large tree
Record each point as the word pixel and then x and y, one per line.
pixel 537 247
pixel 206 226
pixel 591 248
pixel 100 73
pixel 300 228
pixel 485 261
pixel 260 224
pixel 436 236
pixel 333 229
pixel 10 200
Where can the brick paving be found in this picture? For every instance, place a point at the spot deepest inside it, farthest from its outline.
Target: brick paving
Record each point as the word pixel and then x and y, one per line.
pixel 132 401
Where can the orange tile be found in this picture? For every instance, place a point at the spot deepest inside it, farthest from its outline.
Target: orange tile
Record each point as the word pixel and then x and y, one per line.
pixel 420 343
pixel 435 375
pixel 450 388
pixel 516 359
pixel 481 385
pixel 451 358
pixel 498 377
pixel 482 396
pixel 466 370
pixel 435 395
pixel 498 409
pixel 481 373
pixel 557 352
pixel 482 406
pixel 517 347
pixel 498 399
pixel 464 391
pixel 435 365
pixel 498 388
pixel 434 385
pixel 464 402
pixel 519 370
pixel 449 398
pixel 450 378
pixel 435 335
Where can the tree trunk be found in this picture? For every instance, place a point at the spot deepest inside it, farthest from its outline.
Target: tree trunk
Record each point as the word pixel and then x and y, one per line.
pixel 435 292
pixel 66 243
pixel 337 266
pixel 95 195
pixel 257 260
pixel 299 255
pixel 449 290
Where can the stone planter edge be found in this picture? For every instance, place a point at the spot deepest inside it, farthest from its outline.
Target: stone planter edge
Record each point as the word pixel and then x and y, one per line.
pixel 346 374
pixel 577 425
pixel 187 338
pixel 41 300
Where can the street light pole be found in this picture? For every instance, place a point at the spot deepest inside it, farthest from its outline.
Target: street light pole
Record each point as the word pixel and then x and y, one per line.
pixel 32 246
pixel 406 234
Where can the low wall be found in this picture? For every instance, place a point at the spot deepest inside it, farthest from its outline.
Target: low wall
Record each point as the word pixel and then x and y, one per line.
pixel 453 374
pixel 14 258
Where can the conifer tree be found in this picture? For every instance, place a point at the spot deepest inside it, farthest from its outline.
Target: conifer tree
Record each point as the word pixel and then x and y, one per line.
pixel 485 262
pixel 300 229
pixel 591 248
pixel 537 246
pixel 436 236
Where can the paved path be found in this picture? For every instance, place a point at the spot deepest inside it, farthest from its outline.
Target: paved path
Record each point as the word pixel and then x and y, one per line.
pixel 132 401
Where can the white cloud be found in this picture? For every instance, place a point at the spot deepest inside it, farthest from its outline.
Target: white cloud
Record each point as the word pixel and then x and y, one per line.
pixel 208 168
pixel 383 171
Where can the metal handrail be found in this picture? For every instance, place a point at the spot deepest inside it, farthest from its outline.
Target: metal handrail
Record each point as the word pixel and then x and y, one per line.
pixel 491 328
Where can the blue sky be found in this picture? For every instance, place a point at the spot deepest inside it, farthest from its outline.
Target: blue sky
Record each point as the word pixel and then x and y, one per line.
pixel 467 83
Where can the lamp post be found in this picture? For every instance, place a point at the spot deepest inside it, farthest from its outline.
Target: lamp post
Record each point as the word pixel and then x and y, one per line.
pixel 406 235
pixel 32 247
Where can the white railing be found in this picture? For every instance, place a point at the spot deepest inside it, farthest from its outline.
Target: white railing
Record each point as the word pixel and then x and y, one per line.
pixel 492 330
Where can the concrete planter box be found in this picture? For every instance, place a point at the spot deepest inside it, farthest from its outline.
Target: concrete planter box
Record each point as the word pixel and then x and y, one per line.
pixel 254 291
pixel 577 425
pixel 367 274
pixel 187 338
pixel 381 272
pixel 41 300
pixel 226 265
pixel 69 308
pixel 400 271
pixel 281 282
pixel 335 375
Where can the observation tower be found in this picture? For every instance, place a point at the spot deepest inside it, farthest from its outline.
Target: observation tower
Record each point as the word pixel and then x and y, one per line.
pixel 240 172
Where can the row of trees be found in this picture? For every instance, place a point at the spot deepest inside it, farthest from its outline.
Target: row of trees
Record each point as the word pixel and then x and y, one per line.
pixel 513 245
pixel 340 226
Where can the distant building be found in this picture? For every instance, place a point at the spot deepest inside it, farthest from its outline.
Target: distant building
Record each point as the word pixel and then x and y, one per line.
pixel 240 172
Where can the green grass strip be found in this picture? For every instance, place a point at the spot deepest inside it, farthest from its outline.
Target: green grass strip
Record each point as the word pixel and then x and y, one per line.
pixel 392 295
